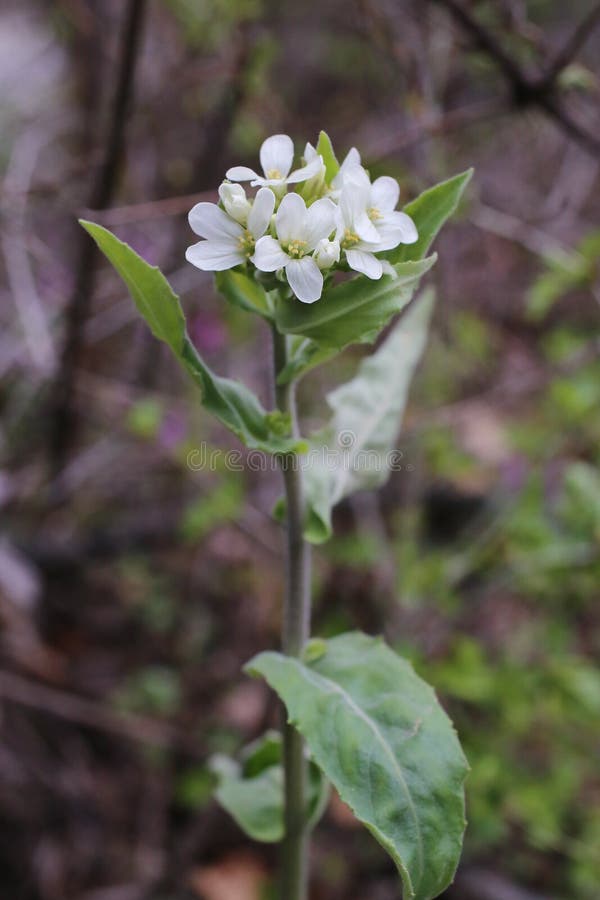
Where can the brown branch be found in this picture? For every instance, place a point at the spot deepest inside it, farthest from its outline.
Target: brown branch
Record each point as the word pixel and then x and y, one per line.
pixel 151 209
pixel 572 47
pixel 89 713
pixel 63 424
pixel 519 82
pixel 432 125
pixel 551 105
pixel 527 90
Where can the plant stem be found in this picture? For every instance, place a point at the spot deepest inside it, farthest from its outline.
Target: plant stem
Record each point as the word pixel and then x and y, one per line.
pixel 295 633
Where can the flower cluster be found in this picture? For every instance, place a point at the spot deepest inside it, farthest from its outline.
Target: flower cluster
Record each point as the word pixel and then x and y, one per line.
pixel 304 234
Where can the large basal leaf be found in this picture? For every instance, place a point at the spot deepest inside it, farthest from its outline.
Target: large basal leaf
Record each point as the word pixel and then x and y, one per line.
pixel 252 793
pixel 380 736
pixel 229 401
pixel 429 211
pixel 354 451
pixel 354 311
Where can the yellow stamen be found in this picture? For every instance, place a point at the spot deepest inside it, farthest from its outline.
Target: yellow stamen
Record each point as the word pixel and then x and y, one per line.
pixel 246 243
pixel 296 248
pixel 349 240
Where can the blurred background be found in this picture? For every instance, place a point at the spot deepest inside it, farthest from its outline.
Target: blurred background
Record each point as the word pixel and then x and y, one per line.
pixel 133 587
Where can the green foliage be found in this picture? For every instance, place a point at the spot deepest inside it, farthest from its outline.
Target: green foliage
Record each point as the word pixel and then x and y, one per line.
pixel 150 594
pixel 373 727
pixel 245 292
pixel 429 211
pixel 145 418
pixel 581 500
pixel 155 690
pixel 563 273
pixel 355 311
pixel 209 25
pixel 230 402
pixel 543 719
pixel 304 355
pixel 325 148
pixel 379 735
pixel 367 412
pixel 252 793
pixel 195 788
pixel 212 509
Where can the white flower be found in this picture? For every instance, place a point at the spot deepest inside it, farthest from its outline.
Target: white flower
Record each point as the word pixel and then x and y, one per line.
pixel 276 158
pixel 311 157
pixel 327 253
pixel 368 222
pixel 299 231
pixel 351 161
pixel 233 197
pixel 228 243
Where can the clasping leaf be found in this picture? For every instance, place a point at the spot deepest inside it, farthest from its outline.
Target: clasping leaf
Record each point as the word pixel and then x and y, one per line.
pixel 252 793
pixel 355 450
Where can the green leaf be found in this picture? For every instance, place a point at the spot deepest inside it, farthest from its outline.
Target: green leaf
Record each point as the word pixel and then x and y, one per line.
pixel 352 312
pixel 229 401
pixel 357 310
pixel 241 290
pixel 253 792
pixel 325 148
pixel 353 451
pixel 380 736
pixel 429 211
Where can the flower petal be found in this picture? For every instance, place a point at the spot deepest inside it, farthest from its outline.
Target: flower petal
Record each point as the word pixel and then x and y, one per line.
pixel 327 253
pixel 385 193
pixel 268 255
pixel 388 269
pixel 365 229
pixel 351 161
pixel 311 168
pixel 365 263
pixel 320 221
pixel 233 197
pixel 277 154
pixel 305 279
pixel 209 221
pixel 214 256
pixel 290 221
pixel 396 228
pixel 261 212
pixel 355 196
pixel 241 173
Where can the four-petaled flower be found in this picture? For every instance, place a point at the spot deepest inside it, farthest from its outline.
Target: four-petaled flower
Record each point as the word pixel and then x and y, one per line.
pixel 228 242
pixel 299 231
pixel 368 222
pixel 314 225
pixel 276 158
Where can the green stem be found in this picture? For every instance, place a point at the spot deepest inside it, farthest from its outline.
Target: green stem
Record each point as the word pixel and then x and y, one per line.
pixel 295 633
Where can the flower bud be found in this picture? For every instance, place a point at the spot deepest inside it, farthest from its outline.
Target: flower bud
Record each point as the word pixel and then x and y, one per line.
pixel 233 197
pixel 327 253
